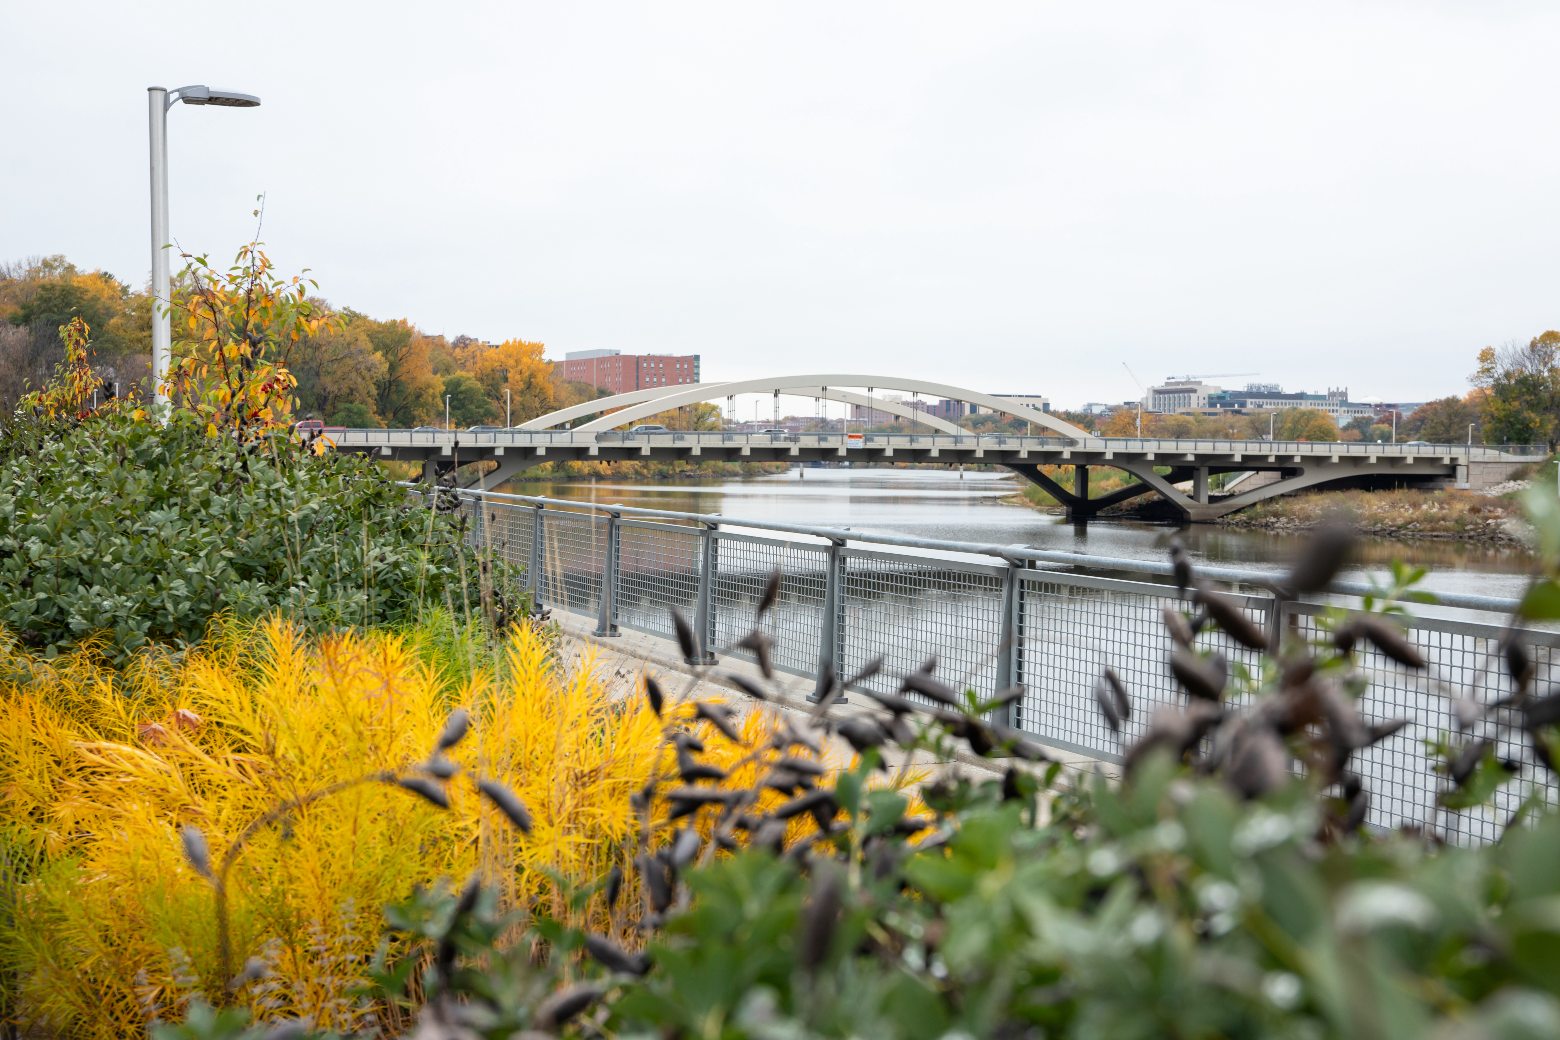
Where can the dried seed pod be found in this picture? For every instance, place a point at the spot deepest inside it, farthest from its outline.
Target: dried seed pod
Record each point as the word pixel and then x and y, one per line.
pixel 806 803
pixel 454 729
pixel 719 716
pixel 196 850
pixel 653 873
pixel 614 886
pixel 685 847
pixel 1177 729
pixel 1202 677
pixel 254 968
pixel 862 732
pixel 1228 616
pixel 690 650
pixel 420 785
pixel 654 695
pixel 1543 712
pixel 771 593
pixel 819 917
pixel 1008 696
pixel 747 686
pixel 802 765
pixel 1359 805
pixel 1259 762
pixel 1468 760
pixel 761 646
pixel 614 958
pixel 1107 703
pixel 1176 623
pixel 910 825
pixel 692 771
pixel 1322 559
pixel 684 739
pixel 442 767
pixel 1382 730
pixel 508 803
pixel 770 835
pixel 868 670
pixel 1181 564
pixel 926 686
pixel 1519 665
pixel 1388 638
pixel 1118 693
pixel 893 702
pixel 565 1004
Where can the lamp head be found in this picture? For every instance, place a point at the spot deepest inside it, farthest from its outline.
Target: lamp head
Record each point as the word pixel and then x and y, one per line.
pixel 200 94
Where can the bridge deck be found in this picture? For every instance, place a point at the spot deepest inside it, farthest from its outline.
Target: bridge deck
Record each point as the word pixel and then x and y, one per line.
pixel 1300 464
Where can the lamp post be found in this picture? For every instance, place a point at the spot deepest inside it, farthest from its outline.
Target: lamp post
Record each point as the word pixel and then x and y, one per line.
pixel 1470 434
pixel 507 414
pixel 446 411
pixel 159 100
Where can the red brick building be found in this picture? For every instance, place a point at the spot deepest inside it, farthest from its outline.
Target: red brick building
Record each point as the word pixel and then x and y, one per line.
pixel 622 373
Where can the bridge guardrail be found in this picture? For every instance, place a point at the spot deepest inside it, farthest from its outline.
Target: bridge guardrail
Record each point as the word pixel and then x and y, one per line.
pixel 674 438
pixel 1001 615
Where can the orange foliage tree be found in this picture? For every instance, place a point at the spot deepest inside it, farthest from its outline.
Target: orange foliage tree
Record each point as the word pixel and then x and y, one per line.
pixel 237 331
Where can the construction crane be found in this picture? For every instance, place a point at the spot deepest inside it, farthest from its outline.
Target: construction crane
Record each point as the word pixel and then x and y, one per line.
pixel 1213 375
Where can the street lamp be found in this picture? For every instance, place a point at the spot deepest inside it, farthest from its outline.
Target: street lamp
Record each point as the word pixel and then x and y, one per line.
pixel 447 411
pixel 507 415
pixel 1470 433
pixel 159 100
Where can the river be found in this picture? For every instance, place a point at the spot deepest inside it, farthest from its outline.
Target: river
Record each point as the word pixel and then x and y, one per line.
pixel 939 504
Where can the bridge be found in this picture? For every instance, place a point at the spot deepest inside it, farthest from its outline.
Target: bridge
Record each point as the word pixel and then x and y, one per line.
pixel 1273 467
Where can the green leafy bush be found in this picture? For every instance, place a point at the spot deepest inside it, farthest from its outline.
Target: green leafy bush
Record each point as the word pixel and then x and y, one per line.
pixel 115 527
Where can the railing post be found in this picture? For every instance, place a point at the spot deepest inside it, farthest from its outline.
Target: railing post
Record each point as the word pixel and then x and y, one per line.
pixel 704 612
pixel 606 621
pixel 533 571
pixel 829 627
pixel 1007 644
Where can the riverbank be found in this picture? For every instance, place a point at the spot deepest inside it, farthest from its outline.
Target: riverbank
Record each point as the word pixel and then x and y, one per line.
pixel 1406 514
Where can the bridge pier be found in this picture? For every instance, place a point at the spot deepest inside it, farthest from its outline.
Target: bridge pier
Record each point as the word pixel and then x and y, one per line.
pixel 1200 485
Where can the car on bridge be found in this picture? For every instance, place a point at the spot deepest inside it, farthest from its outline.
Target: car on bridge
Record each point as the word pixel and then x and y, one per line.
pixel 649 428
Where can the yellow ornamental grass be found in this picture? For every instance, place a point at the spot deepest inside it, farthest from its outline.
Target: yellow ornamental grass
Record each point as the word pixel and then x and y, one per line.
pixel 100 770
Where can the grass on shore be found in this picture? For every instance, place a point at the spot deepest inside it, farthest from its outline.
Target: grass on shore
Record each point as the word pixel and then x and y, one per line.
pixel 1411 512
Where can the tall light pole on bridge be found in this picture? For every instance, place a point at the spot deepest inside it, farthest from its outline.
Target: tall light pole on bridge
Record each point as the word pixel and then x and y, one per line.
pixel 159 101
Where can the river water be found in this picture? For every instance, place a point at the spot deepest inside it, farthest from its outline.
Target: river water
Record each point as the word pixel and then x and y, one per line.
pixel 939 504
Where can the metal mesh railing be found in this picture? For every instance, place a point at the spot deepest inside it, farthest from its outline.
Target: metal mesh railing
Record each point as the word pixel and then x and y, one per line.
pixel 908 608
pixel 658 568
pixel 844 605
pixel 743 565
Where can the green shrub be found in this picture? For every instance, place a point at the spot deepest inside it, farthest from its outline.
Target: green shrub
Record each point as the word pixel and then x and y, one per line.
pixel 114 527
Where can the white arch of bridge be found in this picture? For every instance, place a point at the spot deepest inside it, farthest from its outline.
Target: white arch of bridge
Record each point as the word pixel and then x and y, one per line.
pixel 679 395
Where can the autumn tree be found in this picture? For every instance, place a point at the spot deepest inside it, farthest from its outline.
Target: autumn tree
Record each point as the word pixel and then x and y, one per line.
pixel 518 366
pixel 1519 391
pixel 1442 422
pixel 336 368
pixel 41 295
pixel 234 334
pixel 1304 424
pixel 408 393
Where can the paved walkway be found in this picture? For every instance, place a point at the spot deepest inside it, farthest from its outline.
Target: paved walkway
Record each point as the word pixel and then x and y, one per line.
pixel 623 660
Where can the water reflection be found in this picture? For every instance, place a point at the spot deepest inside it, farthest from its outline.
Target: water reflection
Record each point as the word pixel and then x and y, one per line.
pixel 939 504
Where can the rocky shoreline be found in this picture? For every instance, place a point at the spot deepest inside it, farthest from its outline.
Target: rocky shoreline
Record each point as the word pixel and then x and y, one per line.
pixel 1495 531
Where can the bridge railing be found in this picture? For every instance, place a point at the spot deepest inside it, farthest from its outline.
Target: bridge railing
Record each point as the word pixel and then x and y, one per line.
pixel 995 615
pixel 356 438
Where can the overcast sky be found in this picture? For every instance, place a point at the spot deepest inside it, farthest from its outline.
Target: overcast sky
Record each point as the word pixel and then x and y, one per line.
pixel 1016 198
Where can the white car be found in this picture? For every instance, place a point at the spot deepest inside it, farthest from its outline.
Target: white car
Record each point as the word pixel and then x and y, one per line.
pixel 648 428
